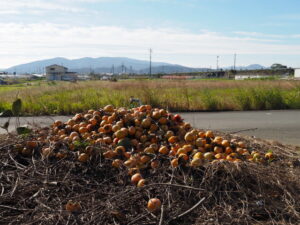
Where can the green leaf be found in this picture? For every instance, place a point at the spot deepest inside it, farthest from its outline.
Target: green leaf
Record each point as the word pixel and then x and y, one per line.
pixel 23 130
pixel 80 144
pixel 16 107
pixel 6 113
pixel 126 143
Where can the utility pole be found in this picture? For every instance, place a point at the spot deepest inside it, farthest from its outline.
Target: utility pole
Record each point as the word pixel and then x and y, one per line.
pixel 234 62
pixel 122 68
pixel 150 72
pixel 217 62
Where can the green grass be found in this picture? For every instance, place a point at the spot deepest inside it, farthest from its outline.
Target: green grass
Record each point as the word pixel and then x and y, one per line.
pixel 44 98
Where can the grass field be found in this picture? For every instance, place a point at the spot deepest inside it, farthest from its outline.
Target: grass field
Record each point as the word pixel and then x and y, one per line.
pixel 42 98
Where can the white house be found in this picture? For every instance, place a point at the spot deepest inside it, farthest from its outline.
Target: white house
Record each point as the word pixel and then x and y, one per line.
pixel 57 72
pixel 297 73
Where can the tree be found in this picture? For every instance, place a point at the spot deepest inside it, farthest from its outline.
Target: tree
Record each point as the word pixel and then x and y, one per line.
pixel 277 66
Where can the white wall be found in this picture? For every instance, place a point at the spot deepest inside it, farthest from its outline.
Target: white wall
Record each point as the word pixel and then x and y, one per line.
pixel 252 76
pixel 297 73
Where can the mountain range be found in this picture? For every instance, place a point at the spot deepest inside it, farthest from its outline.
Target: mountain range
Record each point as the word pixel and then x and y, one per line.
pixel 109 65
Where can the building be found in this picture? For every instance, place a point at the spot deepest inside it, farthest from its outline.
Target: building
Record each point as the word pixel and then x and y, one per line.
pixel 261 76
pixel 250 76
pixel 57 72
pixel 297 73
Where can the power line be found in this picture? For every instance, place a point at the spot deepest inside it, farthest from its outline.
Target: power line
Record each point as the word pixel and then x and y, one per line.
pixel 150 72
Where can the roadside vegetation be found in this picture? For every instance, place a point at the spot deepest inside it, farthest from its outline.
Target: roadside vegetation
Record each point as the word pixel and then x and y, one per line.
pixel 44 98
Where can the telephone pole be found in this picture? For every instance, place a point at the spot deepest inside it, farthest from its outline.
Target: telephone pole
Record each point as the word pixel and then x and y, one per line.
pixel 217 62
pixel 150 72
pixel 122 68
pixel 234 62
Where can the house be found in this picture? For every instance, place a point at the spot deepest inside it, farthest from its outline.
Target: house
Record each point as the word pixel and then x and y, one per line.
pixel 57 72
pixel 250 76
pixel 260 76
pixel 297 73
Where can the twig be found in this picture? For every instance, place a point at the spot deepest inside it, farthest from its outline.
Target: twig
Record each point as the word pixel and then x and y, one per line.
pixel 44 205
pixel 251 129
pixel 137 219
pixel 175 185
pixel 36 194
pixel 189 210
pixel 15 187
pixel 6 146
pixel 13 208
pixel 2 191
pixel 18 165
pixel 161 220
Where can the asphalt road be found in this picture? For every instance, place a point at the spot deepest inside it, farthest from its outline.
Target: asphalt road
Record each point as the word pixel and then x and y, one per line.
pixel 281 125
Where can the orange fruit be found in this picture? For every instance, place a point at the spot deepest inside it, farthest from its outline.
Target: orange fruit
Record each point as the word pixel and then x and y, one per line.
pixel 174 163
pixel 155 164
pixel 154 204
pixel 117 163
pixel 269 155
pixel 141 183
pixel 163 150
pixel 83 157
pixel 73 206
pixel 136 178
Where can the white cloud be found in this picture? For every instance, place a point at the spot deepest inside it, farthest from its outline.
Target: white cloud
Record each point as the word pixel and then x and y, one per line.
pixel 9 12
pixel 259 35
pixel 262 35
pixel 23 42
pixel 23 5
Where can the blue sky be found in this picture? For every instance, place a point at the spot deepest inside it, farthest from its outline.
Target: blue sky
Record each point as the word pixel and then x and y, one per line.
pixel 187 32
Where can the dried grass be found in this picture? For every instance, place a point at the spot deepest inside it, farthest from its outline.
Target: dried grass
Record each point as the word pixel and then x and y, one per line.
pixel 35 191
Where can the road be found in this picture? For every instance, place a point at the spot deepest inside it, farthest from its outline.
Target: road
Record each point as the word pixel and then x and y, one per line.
pixel 281 125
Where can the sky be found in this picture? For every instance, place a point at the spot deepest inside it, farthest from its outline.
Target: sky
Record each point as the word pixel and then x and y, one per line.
pixel 186 32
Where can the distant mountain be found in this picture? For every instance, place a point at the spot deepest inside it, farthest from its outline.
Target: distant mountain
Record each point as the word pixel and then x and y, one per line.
pixel 173 69
pixel 254 67
pixel 101 65
pixel 250 67
pixel 109 64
